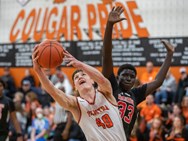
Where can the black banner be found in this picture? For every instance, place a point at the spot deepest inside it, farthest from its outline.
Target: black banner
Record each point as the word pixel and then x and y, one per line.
pixel 134 51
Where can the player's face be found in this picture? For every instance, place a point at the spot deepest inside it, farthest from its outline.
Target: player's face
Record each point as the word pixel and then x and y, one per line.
pixel 127 79
pixel 82 80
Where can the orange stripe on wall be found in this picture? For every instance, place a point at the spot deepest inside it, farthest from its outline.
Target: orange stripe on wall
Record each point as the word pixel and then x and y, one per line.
pixel 18 73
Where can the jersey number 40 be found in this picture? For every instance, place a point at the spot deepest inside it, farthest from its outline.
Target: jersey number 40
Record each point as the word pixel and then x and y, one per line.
pixel 105 121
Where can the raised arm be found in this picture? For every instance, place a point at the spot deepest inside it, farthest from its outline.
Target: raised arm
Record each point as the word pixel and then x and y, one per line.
pixel 66 101
pixel 107 63
pixel 94 74
pixel 152 86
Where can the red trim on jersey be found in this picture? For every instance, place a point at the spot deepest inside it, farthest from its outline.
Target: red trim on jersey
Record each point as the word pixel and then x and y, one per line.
pixel 91 103
pixel 79 110
pixel 116 105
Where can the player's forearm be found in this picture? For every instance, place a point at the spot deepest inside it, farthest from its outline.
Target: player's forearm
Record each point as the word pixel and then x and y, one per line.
pixel 107 43
pixel 94 74
pixel 107 64
pixel 164 69
pixel 45 81
pixel 61 98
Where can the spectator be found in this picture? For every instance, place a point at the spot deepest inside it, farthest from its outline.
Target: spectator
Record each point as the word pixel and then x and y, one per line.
pixel 26 88
pixel 166 92
pixel 185 109
pixel 44 98
pixel 64 84
pixel 142 132
pixel 62 118
pixel 58 74
pixel 149 75
pixel 49 114
pixel 29 77
pixel 9 83
pixel 178 132
pixel 30 96
pixel 176 110
pixel 151 110
pixel 182 84
pixel 156 131
pixel 40 126
pixel 31 114
pixel 20 111
pixel 7 112
pixel 21 116
pixel 18 96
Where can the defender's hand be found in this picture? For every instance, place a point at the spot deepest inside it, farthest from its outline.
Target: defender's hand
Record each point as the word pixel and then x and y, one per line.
pixel 169 47
pixel 35 57
pixel 114 15
pixel 71 61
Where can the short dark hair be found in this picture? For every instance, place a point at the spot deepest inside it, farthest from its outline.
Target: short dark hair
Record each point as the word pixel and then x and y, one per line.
pixel 75 72
pixel 3 83
pixel 126 66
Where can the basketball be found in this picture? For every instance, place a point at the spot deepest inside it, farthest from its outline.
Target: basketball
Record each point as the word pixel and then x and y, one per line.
pixel 50 54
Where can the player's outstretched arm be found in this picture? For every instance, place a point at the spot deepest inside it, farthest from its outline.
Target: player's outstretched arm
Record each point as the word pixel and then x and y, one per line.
pixel 94 74
pixel 107 64
pixel 66 101
pixel 152 86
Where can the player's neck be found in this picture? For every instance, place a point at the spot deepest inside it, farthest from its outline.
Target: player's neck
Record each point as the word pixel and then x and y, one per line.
pixel 88 94
pixel 125 89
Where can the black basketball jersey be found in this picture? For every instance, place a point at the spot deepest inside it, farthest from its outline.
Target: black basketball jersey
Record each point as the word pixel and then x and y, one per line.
pixel 6 107
pixel 127 103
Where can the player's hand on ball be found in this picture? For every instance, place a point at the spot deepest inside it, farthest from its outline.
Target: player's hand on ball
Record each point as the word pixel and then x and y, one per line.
pixel 170 48
pixel 114 15
pixel 35 58
pixel 70 60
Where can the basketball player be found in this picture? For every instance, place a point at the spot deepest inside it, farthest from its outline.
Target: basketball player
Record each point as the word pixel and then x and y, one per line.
pixel 7 110
pixel 127 97
pixel 95 110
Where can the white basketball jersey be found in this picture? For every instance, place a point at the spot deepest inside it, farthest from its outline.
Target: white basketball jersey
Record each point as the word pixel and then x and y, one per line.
pixel 101 120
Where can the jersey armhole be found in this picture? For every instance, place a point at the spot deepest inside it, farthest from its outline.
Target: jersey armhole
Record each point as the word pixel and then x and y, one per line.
pixel 116 105
pixel 80 112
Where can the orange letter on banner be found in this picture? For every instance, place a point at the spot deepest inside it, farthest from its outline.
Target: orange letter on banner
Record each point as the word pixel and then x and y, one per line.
pixel 126 33
pixel 142 32
pixel 25 34
pixel 103 15
pixel 91 19
pixel 51 35
pixel 13 36
pixel 63 30
pixel 74 23
pixel 39 32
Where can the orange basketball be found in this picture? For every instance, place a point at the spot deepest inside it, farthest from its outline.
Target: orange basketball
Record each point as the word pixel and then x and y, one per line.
pixel 50 54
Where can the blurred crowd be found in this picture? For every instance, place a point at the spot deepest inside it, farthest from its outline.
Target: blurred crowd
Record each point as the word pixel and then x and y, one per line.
pixel 163 115
pixel 40 117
